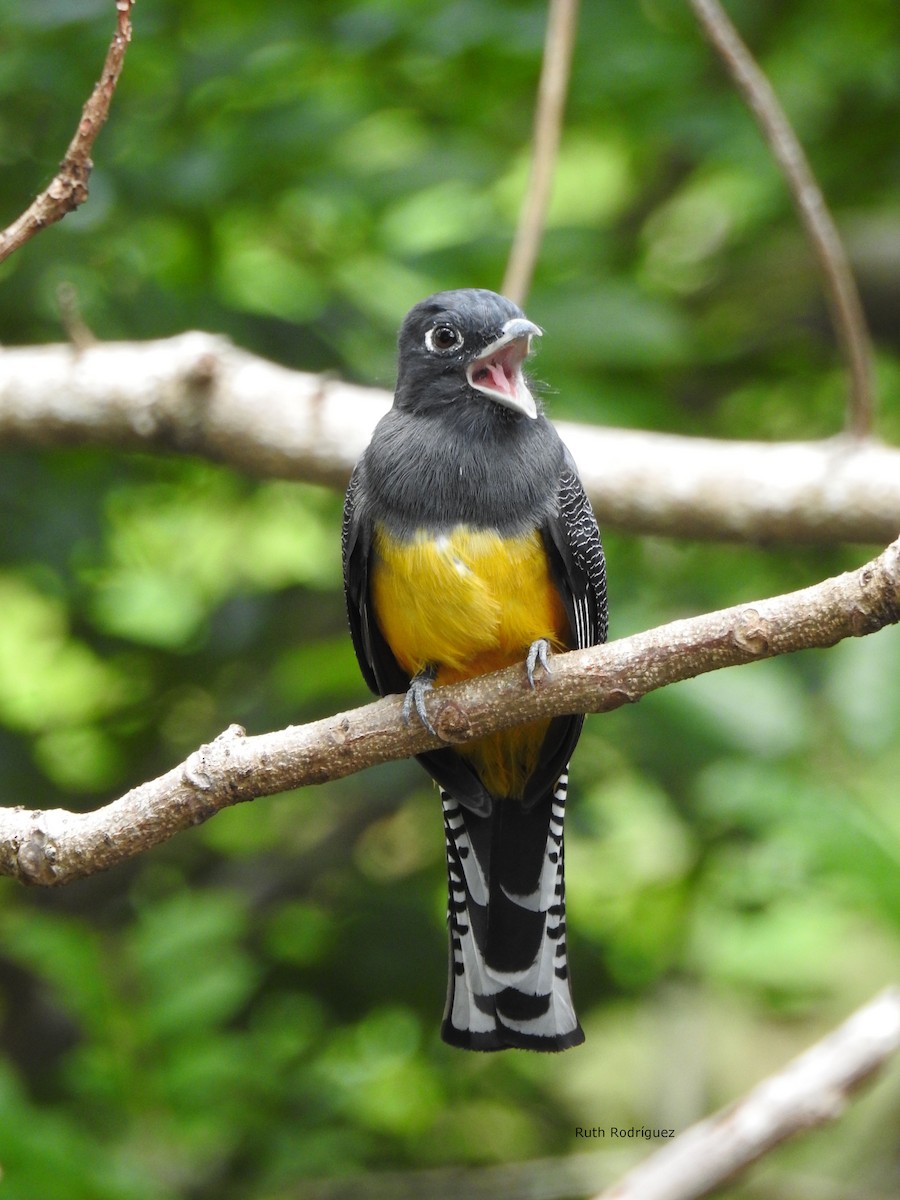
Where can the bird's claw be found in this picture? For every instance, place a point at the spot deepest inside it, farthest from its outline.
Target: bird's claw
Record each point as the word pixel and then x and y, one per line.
pixel 414 699
pixel 538 656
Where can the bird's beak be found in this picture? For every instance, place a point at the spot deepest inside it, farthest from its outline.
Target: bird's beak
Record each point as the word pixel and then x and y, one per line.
pixel 497 372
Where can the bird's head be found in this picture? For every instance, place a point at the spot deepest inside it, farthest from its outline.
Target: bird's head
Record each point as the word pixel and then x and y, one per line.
pixel 465 345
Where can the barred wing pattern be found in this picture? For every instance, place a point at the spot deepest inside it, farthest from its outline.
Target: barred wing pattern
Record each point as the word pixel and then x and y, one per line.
pixel 576 539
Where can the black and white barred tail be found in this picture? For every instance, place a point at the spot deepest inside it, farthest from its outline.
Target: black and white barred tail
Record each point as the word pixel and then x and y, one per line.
pixel 509 975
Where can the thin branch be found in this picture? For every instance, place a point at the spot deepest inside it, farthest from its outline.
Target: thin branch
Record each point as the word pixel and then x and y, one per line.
pixel 562 20
pixel 80 336
pixel 56 847
pixel 69 187
pixel 197 394
pixel 810 1091
pixel 846 308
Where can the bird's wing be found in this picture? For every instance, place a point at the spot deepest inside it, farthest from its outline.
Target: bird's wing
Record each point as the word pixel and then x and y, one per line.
pixel 380 669
pixel 576 559
pixel 578 569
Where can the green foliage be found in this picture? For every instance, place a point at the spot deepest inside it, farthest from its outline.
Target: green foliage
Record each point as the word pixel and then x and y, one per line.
pixel 257 1002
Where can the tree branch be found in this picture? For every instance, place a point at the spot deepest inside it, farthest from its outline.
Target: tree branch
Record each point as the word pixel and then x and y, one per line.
pixel 197 394
pixel 840 286
pixel 559 45
pixel 810 1091
pixel 69 187
pixel 56 847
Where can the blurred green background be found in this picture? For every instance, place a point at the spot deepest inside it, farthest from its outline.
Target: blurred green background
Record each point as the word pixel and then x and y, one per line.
pixel 256 1004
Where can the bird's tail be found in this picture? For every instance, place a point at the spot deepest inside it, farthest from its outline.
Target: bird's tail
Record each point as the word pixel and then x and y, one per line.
pixel 509 976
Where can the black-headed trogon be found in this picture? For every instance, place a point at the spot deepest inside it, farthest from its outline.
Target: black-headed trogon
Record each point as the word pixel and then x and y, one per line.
pixel 469 545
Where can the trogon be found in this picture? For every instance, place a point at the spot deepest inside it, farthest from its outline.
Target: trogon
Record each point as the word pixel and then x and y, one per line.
pixel 469 545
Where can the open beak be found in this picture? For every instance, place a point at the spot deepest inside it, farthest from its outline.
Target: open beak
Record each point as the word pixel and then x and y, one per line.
pixel 497 372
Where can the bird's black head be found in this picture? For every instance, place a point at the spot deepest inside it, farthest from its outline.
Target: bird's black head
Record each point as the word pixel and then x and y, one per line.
pixel 461 346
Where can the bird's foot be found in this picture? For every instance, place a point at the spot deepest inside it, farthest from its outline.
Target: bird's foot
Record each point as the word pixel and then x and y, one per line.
pixel 419 688
pixel 538 656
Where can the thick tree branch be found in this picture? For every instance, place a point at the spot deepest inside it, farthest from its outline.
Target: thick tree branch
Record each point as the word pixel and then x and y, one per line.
pixel 810 1091
pixel 198 394
pixel 559 45
pixel 840 286
pixel 69 187
pixel 57 847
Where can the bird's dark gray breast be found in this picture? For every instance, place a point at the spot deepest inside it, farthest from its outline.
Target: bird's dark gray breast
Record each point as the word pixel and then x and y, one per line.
pixel 495 470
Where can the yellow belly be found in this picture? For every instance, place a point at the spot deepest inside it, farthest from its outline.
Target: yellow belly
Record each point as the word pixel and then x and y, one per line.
pixel 467 602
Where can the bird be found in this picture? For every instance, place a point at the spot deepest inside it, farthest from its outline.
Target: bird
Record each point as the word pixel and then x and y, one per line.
pixel 469 545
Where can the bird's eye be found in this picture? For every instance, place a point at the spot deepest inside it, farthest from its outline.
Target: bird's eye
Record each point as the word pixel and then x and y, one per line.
pixel 443 339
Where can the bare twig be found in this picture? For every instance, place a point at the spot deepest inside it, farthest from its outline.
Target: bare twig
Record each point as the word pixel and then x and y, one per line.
pixel 562 20
pixel 56 847
pixel 810 1091
pixel 840 286
pixel 197 394
pixel 73 322
pixel 69 187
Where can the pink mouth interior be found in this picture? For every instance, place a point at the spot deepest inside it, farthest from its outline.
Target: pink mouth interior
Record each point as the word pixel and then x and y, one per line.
pixel 499 372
